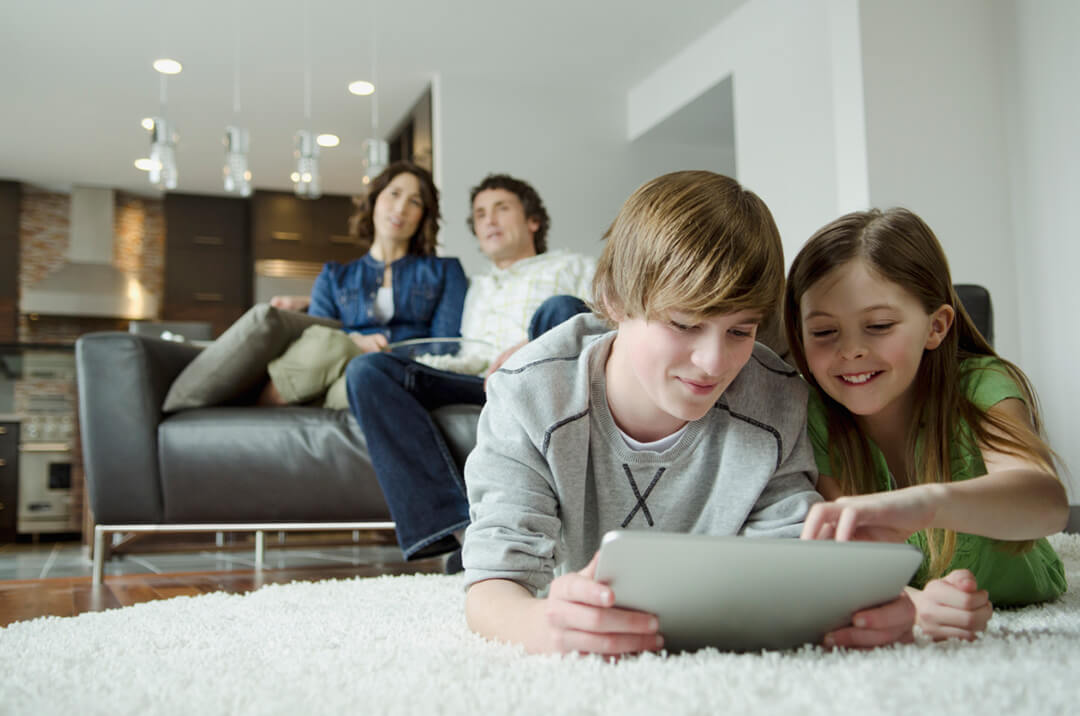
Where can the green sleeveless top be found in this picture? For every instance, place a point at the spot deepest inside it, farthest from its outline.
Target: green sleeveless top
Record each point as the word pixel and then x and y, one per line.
pixel 1011 579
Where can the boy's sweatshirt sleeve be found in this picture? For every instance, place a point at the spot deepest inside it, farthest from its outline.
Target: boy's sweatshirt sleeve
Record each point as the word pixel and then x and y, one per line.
pixel 513 507
pixel 781 509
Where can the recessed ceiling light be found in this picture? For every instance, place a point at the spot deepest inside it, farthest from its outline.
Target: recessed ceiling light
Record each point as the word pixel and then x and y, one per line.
pixel 168 67
pixel 144 163
pixel 361 87
pixel 147 123
pixel 327 140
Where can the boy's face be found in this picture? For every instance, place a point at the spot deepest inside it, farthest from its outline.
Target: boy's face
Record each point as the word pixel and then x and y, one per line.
pixel 664 373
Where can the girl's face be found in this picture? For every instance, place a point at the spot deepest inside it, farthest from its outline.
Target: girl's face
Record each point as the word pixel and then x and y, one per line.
pixel 399 208
pixel 865 336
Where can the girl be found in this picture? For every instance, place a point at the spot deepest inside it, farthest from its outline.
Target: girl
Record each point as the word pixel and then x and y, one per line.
pixel 920 430
pixel 399 289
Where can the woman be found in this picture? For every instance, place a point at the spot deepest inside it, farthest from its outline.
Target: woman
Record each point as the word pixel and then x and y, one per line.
pixel 399 289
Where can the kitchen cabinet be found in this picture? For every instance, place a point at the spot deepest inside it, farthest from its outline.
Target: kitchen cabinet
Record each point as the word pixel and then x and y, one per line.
pixel 208 261
pixel 288 228
pixel 9 261
pixel 9 479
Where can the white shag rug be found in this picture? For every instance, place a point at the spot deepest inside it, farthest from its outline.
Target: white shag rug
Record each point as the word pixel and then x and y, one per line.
pixel 400 645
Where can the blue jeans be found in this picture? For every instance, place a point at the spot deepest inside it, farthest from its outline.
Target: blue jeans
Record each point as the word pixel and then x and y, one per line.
pixel 391 398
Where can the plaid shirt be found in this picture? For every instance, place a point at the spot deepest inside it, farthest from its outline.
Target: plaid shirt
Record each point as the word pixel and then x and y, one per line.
pixel 499 305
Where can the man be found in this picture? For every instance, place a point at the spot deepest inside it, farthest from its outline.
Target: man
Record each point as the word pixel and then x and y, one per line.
pixel 528 291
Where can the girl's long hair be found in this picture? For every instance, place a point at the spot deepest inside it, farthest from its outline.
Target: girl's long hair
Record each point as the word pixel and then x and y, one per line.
pixel 899 246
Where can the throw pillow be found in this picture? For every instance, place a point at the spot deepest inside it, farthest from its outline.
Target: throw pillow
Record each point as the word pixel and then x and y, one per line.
pixel 312 363
pixel 236 362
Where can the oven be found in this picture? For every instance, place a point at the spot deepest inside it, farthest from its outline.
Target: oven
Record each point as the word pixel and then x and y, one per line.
pixel 44 487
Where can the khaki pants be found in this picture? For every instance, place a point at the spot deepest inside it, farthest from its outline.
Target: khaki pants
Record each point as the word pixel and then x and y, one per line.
pixel 314 365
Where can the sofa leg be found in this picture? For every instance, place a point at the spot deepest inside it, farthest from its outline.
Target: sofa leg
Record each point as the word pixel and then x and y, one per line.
pixel 260 549
pixel 99 555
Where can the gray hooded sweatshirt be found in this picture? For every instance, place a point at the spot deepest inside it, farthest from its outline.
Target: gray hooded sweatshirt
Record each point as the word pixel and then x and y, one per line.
pixel 551 473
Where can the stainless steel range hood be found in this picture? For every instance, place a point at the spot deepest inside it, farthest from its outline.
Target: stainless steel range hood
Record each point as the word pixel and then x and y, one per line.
pixel 88 284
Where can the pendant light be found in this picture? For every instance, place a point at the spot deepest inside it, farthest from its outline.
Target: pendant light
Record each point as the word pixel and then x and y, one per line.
pixel 163 173
pixel 236 177
pixel 235 173
pixel 305 176
pixel 376 151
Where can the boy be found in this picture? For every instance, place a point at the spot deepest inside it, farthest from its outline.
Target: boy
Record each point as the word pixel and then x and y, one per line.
pixel 675 421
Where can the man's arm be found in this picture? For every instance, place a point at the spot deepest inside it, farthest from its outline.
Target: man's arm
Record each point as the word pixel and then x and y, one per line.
pixel 576 278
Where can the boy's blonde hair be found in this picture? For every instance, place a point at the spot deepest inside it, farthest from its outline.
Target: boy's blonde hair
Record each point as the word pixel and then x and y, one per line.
pixel 694 242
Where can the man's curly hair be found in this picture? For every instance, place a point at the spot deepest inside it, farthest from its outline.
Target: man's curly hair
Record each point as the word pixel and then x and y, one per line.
pixel 530 201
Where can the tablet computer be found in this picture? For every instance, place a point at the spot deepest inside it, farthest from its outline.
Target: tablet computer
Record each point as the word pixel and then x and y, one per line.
pixel 750 593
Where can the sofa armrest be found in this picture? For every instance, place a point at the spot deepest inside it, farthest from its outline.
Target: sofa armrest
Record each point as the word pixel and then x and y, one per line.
pixel 122 381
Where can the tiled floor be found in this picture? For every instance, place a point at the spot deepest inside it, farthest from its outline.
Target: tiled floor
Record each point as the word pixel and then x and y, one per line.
pixel 69 559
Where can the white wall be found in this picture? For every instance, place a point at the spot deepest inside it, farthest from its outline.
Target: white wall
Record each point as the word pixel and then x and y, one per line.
pixel 1042 105
pixel 965 111
pixel 569 143
pixel 779 54
pixel 936 140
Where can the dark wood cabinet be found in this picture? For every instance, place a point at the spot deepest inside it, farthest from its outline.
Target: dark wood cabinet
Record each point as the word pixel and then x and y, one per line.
pixel 9 480
pixel 208 261
pixel 288 228
pixel 9 261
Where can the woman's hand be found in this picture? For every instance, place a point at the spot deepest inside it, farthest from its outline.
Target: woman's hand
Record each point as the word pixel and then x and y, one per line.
pixel 291 303
pixel 369 343
pixel 880 517
pixel 886 624
pixel 579 616
pixel 952 607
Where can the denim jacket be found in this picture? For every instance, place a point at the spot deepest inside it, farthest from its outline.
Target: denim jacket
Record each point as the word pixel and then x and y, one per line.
pixel 429 293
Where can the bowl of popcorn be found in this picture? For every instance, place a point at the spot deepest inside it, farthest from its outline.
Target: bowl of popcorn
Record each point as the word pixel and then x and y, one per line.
pixel 468 356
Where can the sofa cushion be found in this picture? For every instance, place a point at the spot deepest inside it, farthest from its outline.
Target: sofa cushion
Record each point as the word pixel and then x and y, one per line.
pixel 252 464
pixel 290 464
pixel 236 362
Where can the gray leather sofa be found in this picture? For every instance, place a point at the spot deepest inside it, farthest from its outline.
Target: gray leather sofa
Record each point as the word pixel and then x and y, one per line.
pixel 214 469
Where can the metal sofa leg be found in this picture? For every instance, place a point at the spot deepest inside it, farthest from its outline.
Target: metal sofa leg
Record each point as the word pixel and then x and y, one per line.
pixel 260 549
pixel 99 555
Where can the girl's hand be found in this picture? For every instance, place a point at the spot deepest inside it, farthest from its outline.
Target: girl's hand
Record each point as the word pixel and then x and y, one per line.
pixel 877 626
pixel 578 616
pixel 880 517
pixel 952 607
pixel 291 303
pixel 369 343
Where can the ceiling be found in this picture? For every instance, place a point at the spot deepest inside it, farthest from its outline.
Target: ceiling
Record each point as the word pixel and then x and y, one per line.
pixel 77 75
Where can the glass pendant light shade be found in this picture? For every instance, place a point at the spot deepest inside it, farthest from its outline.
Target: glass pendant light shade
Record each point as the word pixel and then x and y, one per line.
pixel 305 177
pixel 163 173
pixel 376 157
pixel 236 175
